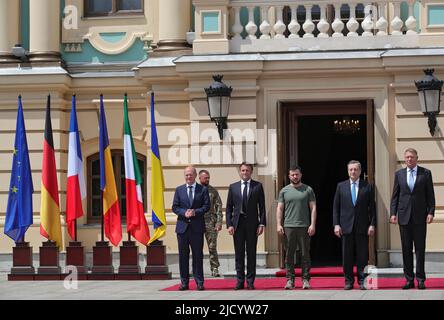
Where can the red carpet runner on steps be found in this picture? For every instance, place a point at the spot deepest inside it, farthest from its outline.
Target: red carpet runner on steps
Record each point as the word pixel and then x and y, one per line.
pixel 322 283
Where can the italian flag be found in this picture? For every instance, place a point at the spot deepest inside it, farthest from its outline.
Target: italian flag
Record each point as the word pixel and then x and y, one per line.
pixel 136 223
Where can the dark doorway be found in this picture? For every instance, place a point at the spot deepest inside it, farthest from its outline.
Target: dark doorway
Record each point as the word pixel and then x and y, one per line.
pixel 323 151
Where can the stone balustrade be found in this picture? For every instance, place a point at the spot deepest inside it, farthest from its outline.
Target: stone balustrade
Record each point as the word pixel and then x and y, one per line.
pixel 241 26
pixel 321 19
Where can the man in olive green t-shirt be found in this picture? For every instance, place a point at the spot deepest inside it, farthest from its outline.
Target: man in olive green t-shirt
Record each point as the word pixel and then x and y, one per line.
pixel 296 220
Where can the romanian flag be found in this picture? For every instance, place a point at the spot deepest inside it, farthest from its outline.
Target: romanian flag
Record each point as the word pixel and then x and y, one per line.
pixel 50 226
pixel 75 188
pixel 111 210
pixel 157 185
pixel 136 223
pixel 19 209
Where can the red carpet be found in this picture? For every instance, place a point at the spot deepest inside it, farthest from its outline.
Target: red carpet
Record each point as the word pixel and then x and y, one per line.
pixel 325 283
pixel 317 272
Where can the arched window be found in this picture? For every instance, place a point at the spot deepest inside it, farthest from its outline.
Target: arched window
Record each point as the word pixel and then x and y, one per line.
pixel 93 182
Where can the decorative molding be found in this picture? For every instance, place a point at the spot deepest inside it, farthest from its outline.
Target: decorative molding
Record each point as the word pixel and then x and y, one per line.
pixel 111 48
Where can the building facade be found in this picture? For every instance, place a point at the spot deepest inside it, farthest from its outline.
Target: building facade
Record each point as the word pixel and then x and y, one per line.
pixel 314 82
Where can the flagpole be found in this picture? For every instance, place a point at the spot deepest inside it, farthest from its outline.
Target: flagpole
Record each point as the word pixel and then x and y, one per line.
pixel 75 230
pixel 101 214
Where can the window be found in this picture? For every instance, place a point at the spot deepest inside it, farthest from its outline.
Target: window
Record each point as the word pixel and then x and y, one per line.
pixel 97 8
pixel 93 182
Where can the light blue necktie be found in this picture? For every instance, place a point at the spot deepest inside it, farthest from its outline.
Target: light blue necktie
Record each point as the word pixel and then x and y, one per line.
pixel 354 193
pixel 411 180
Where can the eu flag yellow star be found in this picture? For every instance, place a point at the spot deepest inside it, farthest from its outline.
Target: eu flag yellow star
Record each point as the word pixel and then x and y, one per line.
pixel 15 151
pixel 14 189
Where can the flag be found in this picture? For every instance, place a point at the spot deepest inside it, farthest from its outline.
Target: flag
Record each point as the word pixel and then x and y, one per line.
pixel 19 208
pixel 75 186
pixel 135 217
pixel 50 226
pixel 157 186
pixel 110 203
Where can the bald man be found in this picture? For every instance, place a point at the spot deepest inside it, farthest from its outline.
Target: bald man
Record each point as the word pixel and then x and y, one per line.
pixel 191 202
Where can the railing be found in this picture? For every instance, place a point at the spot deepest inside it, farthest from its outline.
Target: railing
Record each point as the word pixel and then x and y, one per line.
pixel 275 20
pixel 334 19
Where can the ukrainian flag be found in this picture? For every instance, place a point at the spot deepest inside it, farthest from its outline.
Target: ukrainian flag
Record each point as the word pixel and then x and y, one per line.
pixel 157 184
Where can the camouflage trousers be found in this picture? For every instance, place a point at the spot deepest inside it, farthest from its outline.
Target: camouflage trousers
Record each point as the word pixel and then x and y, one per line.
pixel 211 236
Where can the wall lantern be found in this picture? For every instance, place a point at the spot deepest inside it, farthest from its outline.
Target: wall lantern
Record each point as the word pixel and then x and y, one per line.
pixel 429 91
pixel 218 98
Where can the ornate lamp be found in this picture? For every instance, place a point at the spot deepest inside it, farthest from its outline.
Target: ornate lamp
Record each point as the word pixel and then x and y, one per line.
pixel 429 91
pixel 218 98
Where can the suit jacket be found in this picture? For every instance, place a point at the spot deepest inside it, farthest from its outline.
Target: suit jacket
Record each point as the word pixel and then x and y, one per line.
pixel 255 206
pixel 201 204
pixel 417 203
pixel 360 216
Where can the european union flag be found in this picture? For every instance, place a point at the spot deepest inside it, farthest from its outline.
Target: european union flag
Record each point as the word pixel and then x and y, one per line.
pixel 19 210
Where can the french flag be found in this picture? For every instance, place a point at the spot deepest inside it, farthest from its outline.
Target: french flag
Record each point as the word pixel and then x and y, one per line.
pixel 76 188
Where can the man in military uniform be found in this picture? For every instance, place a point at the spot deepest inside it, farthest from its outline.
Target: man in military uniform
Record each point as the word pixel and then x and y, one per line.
pixel 213 221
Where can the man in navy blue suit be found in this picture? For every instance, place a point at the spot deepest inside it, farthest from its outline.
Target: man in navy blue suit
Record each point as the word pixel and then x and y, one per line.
pixel 190 203
pixel 246 220
pixel 413 207
pixel 354 220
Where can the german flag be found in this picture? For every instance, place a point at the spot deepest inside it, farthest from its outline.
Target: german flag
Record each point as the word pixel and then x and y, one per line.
pixel 50 226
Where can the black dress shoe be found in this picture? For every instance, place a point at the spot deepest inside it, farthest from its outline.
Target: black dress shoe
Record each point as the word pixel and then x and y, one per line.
pixel 348 286
pixel 183 287
pixel 250 286
pixel 200 287
pixel 408 285
pixel 362 287
pixel 239 286
pixel 421 285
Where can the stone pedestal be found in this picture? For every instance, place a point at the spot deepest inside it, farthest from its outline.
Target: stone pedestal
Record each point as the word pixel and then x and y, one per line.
pixel 129 262
pixel 156 268
pixel 22 267
pixel 75 256
pixel 49 268
pixel 102 268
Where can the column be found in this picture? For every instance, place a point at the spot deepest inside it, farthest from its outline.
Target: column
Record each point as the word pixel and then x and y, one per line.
pixel 9 29
pixel 44 25
pixel 174 23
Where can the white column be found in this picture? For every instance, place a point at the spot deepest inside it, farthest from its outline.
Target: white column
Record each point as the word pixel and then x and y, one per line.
pixel 237 27
pixel 308 25
pixel 251 26
pixel 410 23
pixel 396 22
pixel 265 26
pixel 382 23
pixel 337 25
pixel 352 24
pixel 44 30
pixel 294 26
pixel 279 26
pixel 9 28
pixel 323 25
pixel 174 23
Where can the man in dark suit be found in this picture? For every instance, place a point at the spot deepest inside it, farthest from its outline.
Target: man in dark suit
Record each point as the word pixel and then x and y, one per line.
pixel 413 206
pixel 354 219
pixel 246 221
pixel 190 203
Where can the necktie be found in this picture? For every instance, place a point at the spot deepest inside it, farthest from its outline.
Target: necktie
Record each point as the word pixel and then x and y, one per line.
pixel 190 195
pixel 244 197
pixel 354 193
pixel 411 180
